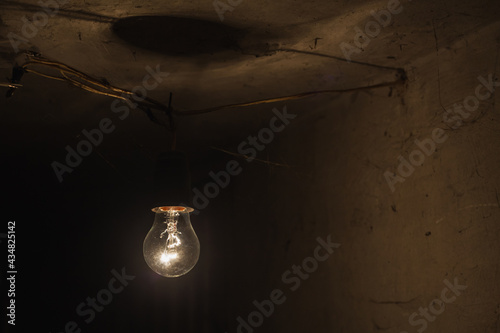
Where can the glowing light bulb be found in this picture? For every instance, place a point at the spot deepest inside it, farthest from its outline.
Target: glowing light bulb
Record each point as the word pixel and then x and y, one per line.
pixel 171 248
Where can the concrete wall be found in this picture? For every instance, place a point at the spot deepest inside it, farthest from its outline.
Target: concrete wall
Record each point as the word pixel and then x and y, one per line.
pixel 398 248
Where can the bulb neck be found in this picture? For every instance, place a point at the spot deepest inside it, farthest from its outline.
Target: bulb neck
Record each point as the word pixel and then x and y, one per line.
pixel 179 209
pixel 172 216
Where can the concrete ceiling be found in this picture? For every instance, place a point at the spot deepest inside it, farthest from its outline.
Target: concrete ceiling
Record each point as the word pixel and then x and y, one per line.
pixel 395 249
pixel 214 63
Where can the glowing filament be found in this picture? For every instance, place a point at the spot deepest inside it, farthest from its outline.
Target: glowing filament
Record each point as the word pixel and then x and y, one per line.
pixel 173 240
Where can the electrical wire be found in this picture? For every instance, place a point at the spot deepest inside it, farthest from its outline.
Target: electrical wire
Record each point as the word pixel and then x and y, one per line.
pixel 102 87
pixel 91 84
pixel 288 98
pixel 11 85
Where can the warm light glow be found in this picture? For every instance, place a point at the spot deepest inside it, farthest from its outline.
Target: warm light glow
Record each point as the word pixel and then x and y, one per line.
pixel 171 247
pixel 167 257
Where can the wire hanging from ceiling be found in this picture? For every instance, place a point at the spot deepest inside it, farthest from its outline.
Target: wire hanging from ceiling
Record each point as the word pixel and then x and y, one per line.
pixel 103 87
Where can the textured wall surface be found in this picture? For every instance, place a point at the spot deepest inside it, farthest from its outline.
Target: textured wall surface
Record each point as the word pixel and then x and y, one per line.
pixel 413 247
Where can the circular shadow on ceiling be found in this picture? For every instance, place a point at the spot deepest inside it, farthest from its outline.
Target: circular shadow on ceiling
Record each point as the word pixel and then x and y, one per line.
pixel 178 36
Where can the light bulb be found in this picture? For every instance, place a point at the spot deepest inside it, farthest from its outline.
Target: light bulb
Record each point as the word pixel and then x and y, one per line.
pixel 171 248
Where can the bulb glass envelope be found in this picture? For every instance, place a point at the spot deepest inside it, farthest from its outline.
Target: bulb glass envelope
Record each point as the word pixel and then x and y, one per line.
pixel 171 248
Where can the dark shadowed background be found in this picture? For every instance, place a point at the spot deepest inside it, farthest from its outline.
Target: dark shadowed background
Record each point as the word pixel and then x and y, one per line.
pixel 322 175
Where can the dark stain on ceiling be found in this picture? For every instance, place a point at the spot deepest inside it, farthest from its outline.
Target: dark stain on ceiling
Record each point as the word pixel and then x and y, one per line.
pixel 178 36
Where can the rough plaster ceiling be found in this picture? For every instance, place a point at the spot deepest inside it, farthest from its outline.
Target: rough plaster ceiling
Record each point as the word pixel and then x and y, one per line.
pixel 341 144
pixel 83 36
